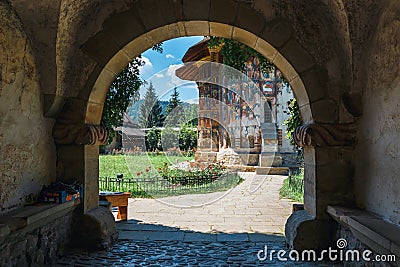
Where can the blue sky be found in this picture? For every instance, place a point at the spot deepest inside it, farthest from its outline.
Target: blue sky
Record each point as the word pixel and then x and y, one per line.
pixel 160 69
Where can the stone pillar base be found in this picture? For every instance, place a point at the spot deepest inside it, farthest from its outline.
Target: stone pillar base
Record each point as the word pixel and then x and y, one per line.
pixel 270 160
pixel 249 159
pixel 97 229
pixel 205 156
pixel 304 232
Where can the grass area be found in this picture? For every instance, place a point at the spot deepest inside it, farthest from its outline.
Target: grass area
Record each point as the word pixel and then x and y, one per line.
pixel 149 184
pixel 293 188
pixel 129 165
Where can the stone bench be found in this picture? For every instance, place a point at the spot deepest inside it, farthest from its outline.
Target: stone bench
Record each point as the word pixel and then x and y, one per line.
pixel 30 217
pixel 381 236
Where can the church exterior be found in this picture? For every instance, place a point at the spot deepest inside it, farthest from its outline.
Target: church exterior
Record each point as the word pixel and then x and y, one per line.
pixel 238 114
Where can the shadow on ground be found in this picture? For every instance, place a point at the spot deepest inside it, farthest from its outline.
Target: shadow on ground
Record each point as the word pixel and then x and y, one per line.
pixel 142 244
pixel 139 231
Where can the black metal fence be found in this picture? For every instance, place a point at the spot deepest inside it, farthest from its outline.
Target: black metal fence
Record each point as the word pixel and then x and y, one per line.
pixel 156 186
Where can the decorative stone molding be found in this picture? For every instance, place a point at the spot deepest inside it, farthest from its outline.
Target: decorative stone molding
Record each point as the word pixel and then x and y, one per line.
pixel 80 134
pixel 320 135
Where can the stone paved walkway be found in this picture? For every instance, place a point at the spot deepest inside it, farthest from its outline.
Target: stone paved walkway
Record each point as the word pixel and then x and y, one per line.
pixel 228 232
pixel 252 206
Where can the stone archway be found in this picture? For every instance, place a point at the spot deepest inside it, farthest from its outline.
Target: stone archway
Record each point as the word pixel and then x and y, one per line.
pixel 123 36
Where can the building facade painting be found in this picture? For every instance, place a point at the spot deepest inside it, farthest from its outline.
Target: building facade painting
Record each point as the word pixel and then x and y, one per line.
pixel 244 113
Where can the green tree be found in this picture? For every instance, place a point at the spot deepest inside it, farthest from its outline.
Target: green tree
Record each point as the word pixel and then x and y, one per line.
pixel 187 138
pixel 174 106
pixel 292 123
pixel 169 138
pixel 174 102
pixel 235 54
pixel 150 110
pixel 152 141
pixel 123 91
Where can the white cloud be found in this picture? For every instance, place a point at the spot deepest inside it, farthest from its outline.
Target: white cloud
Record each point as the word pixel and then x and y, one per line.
pixel 193 101
pixel 164 81
pixel 169 56
pixel 174 80
pixel 191 86
pixel 147 69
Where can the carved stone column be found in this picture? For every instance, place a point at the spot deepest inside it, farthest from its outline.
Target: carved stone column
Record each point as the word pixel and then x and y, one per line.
pixel 78 157
pixel 328 180
pixel 80 134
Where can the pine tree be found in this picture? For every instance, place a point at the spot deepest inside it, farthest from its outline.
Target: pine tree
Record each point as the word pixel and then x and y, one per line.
pixel 173 102
pixel 151 111
pixel 174 106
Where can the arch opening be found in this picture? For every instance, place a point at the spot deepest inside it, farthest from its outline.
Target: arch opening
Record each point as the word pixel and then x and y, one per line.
pixel 145 41
pixel 296 70
pixel 119 61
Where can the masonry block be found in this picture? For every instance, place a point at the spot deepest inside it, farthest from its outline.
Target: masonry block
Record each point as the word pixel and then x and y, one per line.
pixel 223 11
pixel 196 10
pixel 277 32
pixel 221 30
pixel 244 37
pixel 249 19
pixel 325 111
pixel 124 27
pixel 201 28
pixel 298 57
pixel 316 82
pixel 266 49
pixel 101 48
pixel 299 91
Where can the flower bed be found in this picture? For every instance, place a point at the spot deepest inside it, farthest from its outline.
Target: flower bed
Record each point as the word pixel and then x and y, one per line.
pixel 196 175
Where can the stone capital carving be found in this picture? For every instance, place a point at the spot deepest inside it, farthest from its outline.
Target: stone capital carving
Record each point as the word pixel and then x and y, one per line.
pixel 320 135
pixel 80 134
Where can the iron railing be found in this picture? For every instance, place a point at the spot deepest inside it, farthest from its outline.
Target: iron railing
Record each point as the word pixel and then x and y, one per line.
pixel 160 186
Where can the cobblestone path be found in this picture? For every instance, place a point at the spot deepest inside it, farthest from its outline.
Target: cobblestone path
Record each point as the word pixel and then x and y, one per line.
pixel 180 253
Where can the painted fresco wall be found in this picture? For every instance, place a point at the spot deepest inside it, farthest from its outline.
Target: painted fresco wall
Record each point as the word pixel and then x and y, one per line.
pixel 233 116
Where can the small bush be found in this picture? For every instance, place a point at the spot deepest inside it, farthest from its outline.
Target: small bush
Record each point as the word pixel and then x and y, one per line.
pixel 293 188
pixel 198 176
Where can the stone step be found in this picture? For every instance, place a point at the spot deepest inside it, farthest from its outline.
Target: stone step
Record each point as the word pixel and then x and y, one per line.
pixel 241 168
pixel 272 170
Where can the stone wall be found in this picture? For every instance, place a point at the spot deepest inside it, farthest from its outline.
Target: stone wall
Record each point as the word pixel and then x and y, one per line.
pixel 377 179
pixel 27 152
pixel 39 246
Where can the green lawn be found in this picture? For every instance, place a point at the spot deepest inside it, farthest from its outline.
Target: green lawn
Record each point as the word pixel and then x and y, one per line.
pixel 293 188
pixel 111 165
